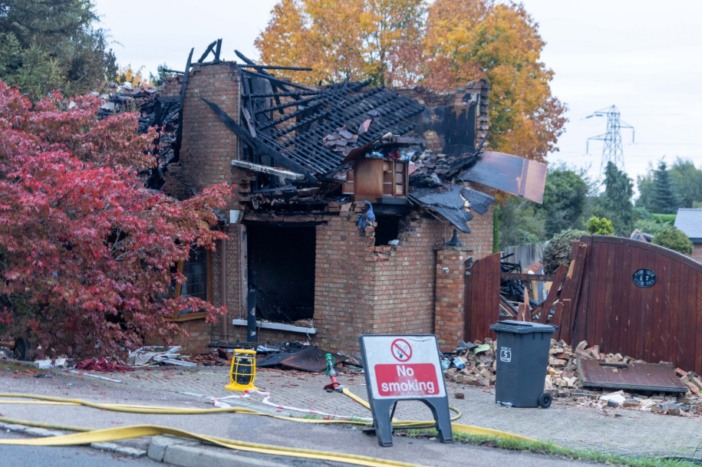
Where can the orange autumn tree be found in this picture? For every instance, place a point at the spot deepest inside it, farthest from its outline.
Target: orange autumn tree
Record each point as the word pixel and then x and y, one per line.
pixel 467 40
pixel 359 39
pixel 440 45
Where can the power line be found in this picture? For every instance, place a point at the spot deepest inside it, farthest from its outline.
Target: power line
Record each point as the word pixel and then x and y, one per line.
pixel 612 150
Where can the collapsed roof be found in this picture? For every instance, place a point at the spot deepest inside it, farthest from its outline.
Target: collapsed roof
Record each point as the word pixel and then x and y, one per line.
pixel 299 138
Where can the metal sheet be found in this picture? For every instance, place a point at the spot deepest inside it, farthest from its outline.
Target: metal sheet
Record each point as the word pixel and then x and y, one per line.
pixel 269 361
pixel 512 174
pixel 446 201
pixel 657 377
pixel 311 359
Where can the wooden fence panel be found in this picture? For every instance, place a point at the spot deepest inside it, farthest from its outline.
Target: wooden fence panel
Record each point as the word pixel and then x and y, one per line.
pixel 661 322
pixel 482 298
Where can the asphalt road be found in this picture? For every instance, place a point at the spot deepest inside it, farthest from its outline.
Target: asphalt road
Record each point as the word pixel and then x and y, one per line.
pixel 233 426
pixel 29 456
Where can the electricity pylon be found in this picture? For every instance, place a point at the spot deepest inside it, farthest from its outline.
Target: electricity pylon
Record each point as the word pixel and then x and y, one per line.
pixel 612 150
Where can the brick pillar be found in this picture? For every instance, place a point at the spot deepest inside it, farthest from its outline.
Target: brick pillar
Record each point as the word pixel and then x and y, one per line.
pixel 449 308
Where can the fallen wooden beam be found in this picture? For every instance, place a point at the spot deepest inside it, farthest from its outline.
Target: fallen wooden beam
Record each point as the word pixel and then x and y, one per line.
pixel 545 306
pixel 267 170
pixel 508 307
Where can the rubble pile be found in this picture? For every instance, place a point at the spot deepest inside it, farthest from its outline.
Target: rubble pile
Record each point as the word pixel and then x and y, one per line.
pixel 162 112
pixel 475 364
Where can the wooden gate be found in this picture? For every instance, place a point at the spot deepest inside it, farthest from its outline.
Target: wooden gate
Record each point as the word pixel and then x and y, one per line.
pixel 624 309
pixel 482 298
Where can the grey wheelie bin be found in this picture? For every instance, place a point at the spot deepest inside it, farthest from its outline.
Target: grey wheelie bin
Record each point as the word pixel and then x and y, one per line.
pixel 522 361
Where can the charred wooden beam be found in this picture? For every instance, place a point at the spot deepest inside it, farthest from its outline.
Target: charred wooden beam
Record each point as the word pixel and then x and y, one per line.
pixel 207 52
pixel 272 79
pixel 267 170
pixel 218 50
pixel 259 147
pixel 274 67
pixel 183 87
pixel 287 94
pixel 290 104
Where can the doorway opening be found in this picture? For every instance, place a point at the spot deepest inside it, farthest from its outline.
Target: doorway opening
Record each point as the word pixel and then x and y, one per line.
pixel 281 270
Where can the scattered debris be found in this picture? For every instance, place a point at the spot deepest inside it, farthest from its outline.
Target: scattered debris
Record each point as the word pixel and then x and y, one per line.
pixel 654 377
pixel 146 356
pixel 563 380
pixel 102 365
pixel 48 363
pixel 155 110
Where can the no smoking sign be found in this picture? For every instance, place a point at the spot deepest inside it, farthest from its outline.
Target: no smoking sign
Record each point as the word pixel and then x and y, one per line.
pixel 404 367
pixel 401 349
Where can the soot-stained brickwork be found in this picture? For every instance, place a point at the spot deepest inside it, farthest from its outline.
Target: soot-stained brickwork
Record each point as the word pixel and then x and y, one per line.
pixel 358 287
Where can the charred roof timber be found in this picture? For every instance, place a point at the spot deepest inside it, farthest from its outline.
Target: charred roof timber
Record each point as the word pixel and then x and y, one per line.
pixel 307 143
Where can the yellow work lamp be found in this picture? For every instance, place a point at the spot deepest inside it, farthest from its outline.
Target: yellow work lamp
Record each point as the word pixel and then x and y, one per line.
pixel 243 371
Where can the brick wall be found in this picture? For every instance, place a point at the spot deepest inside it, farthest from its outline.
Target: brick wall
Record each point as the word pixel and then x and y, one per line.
pixel 449 314
pixel 343 291
pixel 208 146
pixel 199 337
pixel 697 252
pixel 361 288
pixel 207 150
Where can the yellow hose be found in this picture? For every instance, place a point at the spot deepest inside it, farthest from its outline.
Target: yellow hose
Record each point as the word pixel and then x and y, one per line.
pixel 137 431
pixel 148 409
pixel 356 398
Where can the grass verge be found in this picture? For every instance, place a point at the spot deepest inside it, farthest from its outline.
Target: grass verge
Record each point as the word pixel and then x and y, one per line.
pixel 556 451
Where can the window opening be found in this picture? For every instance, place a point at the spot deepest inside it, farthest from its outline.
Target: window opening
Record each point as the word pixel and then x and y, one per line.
pixel 388 229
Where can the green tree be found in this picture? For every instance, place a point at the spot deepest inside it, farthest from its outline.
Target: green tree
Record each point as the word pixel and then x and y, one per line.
pixel 597 226
pixel 615 203
pixel 651 226
pixel 53 44
pixel 686 181
pixel 674 239
pixel 520 222
pixel 559 249
pixel 664 200
pixel 161 74
pixel 565 200
pixel 646 188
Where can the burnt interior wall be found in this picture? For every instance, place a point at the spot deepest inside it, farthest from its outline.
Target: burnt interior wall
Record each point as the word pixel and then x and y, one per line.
pixel 453 121
pixel 282 267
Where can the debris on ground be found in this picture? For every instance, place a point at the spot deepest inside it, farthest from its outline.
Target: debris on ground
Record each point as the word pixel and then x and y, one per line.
pixel 154 355
pixel 101 365
pixel 285 355
pixel 474 363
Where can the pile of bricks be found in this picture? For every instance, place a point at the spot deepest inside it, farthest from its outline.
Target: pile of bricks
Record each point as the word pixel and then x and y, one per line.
pixel 477 366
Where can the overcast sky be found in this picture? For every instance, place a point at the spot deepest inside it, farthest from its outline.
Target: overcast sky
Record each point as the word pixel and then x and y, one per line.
pixel 645 57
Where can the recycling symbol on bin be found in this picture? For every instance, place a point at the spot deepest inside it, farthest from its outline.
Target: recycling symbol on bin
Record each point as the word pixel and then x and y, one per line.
pixel 505 354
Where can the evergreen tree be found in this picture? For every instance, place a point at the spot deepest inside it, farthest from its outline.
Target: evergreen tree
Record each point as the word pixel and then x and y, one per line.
pixel 52 44
pixel 615 203
pixel 565 198
pixel 687 182
pixel 664 200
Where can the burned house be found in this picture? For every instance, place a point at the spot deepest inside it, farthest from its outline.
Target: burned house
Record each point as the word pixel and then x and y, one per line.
pixel 347 199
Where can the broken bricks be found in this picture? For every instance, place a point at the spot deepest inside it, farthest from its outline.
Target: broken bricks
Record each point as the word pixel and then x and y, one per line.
pixel 563 379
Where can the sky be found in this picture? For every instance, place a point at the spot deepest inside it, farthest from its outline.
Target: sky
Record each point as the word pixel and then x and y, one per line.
pixel 642 56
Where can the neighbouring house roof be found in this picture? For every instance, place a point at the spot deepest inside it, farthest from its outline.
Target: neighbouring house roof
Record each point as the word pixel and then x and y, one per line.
pixel 689 220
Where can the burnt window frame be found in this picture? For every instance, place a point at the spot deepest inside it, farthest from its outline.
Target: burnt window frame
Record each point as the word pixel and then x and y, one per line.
pixel 180 316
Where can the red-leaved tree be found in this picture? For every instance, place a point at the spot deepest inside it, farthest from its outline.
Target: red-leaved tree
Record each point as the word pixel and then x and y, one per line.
pixel 86 251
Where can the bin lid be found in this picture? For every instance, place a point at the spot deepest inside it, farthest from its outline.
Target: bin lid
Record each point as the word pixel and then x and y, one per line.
pixel 523 327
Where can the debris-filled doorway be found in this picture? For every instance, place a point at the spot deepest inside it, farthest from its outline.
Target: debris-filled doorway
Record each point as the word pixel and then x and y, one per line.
pixel 281 269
